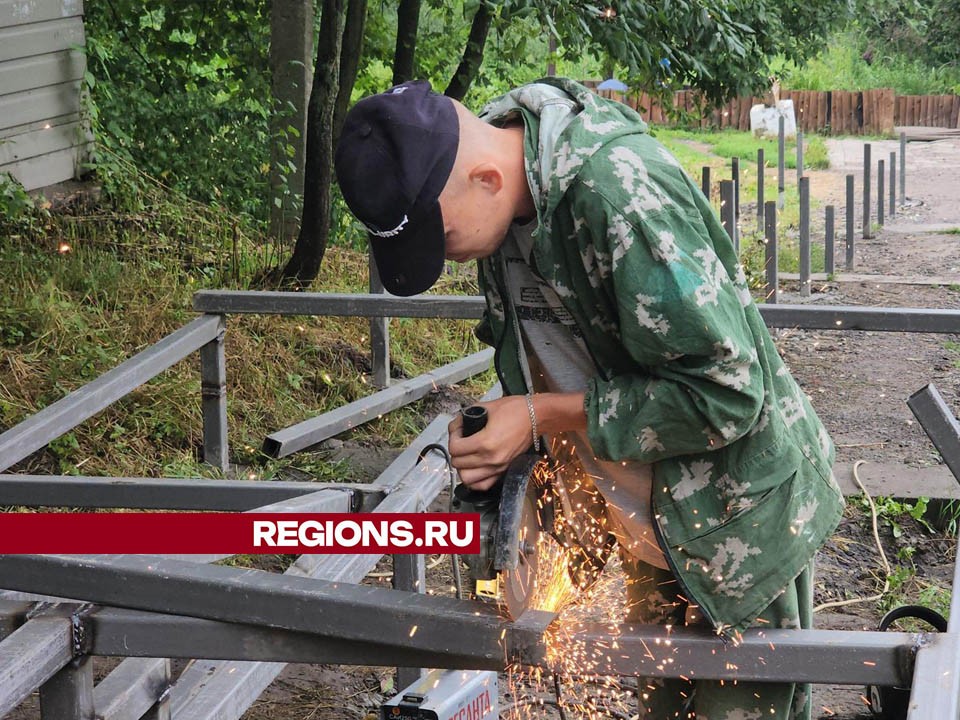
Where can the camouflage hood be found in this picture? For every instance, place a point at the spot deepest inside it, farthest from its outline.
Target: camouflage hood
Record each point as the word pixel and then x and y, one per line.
pixel 566 124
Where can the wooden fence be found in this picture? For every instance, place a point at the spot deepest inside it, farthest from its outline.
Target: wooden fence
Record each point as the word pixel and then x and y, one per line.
pixel 838 112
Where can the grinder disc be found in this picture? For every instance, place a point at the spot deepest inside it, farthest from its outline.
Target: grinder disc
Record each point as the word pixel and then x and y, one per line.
pixel 517 584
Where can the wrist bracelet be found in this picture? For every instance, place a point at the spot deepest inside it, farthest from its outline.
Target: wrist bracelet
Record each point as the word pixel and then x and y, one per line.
pixel 533 423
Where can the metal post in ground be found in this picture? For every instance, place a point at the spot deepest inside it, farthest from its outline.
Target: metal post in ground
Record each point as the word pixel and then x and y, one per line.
pixel 892 211
pixel 727 215
pixel 799 157
pixel 867 167
pixel 213 393
pixel 409 573
pixel 735 176
pixel 761 164
pixel 781 154
pixel 705 181
pixel 903 168
pixel 379 336
pixel 850 224
pixel 805 236
pixel 828 241
pixel 880 191
pixel 69 693
pixel 771 290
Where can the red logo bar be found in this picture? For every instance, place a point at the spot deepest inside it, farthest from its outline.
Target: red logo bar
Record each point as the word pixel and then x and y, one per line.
pixel 155 533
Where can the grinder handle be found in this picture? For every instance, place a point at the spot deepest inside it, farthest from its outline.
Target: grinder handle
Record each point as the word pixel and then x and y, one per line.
pixel 474 419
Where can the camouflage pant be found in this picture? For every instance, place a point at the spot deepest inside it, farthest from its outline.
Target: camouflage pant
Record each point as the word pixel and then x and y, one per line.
pixel 653 596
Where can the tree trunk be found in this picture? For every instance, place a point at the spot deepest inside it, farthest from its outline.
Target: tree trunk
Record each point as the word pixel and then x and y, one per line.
pixel 349 61
pixel 472 54
pixel 318 176
pixel 408 18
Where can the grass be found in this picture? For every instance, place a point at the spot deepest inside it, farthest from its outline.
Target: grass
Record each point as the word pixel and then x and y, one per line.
pixel 69 315
pixel 841 67
pixel 86 289
pixel 695 149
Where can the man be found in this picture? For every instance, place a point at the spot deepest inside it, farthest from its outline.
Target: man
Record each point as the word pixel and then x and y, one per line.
pixel 623 323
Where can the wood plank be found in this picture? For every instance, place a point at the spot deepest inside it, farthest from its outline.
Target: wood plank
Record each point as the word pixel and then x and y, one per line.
pixel 54 136
pixel 31 106
pixel 41 71
pixel 22 12
pixel 46 170
pixel 898 481
pixel 955 118
pixel 41 38
pixel 889 101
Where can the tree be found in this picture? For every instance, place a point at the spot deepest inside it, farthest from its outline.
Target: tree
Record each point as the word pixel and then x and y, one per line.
pixel 472 54
pixel 408 20
pixel 311 243
pixel 718 46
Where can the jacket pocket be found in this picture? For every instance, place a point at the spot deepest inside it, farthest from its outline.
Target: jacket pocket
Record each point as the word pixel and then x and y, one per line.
pixel 726 496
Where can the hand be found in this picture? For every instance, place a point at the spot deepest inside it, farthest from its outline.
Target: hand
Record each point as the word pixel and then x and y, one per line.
pixel 484 456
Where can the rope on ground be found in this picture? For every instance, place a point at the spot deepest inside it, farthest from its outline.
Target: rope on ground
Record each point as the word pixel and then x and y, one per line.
pixel 876 537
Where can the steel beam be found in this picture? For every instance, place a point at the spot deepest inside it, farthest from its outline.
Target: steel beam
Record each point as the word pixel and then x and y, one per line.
pixel 68 695
pixel 337 304
pixel 54 420
pixel 134 686
pixel 166 493
pixel 119 632
pixel 935 691
pixel 815 656
pixel 841 317
pixel 224 690
pixel 310 432
pixel 213 395
pixel 329 609
pixel 936 419
pixel 838 317
pixel 31 655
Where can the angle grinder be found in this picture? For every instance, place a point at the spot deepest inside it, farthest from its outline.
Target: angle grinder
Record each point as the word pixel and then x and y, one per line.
pixel 512 514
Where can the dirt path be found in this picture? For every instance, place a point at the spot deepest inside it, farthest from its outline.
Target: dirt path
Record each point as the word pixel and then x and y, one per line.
pixel 859 381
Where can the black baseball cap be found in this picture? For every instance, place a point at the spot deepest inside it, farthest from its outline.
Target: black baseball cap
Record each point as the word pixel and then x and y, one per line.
pixel 395 154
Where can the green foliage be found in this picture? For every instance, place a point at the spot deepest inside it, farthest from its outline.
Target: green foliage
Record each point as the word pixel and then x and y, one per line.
pixel 891 511
pixel 842 67
pixel 87 289
pixel 185 95
pixel 910 47
pixel 15 203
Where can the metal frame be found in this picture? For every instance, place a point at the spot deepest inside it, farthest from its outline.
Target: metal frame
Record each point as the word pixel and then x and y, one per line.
pixel 315 613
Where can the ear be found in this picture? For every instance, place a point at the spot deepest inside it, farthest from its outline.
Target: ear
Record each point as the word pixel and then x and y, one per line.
pixel 487 176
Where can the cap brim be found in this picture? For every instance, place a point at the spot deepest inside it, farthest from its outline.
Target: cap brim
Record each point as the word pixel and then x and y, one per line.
pixel 410 262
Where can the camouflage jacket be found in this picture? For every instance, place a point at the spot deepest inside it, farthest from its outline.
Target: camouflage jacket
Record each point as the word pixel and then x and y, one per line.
pixel 688 378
